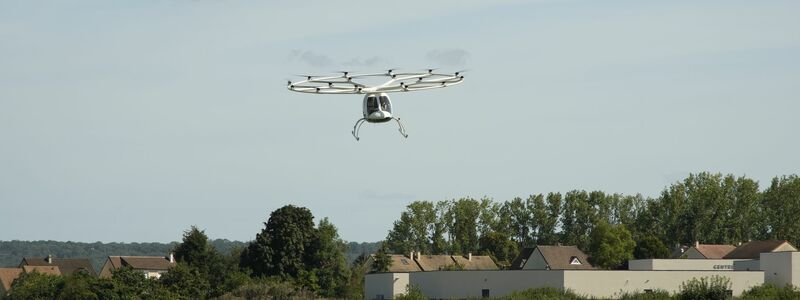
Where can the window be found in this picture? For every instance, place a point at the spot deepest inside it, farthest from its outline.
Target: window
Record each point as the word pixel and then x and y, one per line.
pixel 385 104
pixel 372 104
pixel 404 261
pixel 574 261
pixel 485 293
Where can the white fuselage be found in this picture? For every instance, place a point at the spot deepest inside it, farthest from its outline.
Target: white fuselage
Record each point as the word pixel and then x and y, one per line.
pixel 377 108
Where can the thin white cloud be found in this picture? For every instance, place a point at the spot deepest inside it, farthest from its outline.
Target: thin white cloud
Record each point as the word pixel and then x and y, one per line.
pixel 311 58
pixel 448 57
pixel 368 62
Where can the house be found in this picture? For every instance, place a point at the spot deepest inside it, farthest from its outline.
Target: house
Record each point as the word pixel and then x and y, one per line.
pixel 753 249
pixel 7 277
pixel 150 266
pixel 551 258
pixel 707 251
pixel 66 266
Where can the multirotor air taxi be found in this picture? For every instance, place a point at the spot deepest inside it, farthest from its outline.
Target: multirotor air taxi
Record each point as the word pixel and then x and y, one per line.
pixel 376 106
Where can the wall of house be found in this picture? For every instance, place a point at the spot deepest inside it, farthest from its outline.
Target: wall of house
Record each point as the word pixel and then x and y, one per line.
pixel 683 264
pixel 536 261
pixel 470 284
pixel 781 268
pixel 594 283
pixel 152 273
pixel 385 285
pixel 747 265
pixel 785 247
pixel 611 284
pixel 105 272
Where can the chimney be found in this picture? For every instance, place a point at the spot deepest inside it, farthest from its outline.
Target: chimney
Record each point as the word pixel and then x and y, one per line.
pixel 469 256
pixel 418 254
pixel 411 255
pixel 171 257
pixel 696 244
pixel 49 258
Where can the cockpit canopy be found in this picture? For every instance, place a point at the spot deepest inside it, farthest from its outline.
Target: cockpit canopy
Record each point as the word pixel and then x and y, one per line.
pixel 377 102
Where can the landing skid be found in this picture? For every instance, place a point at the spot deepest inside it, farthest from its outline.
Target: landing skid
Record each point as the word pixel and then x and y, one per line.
pixel 357 127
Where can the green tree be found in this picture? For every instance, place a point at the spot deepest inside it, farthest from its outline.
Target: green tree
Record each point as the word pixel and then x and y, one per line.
pixel 35 285
pixel 781 204
pixel 196 252
pixel 194 248
pixel 499 246
pixel 413 231
pixel 355 285
pixel 650 247
pixel 611 245
pixel 329 262
pixel 577 219
pixel 130 284
pixel 549 223
pixel 465 223
pixel 281 249
pixel 78 286
pixel 381 262
pixel 520 218
pixel 186 281
pixel 440 244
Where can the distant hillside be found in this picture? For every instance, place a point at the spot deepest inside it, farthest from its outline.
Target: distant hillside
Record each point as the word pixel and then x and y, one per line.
pixel 355 249
pixel 12 252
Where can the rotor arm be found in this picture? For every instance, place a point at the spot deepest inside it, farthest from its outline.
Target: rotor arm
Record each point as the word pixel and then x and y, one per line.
pixel 397 82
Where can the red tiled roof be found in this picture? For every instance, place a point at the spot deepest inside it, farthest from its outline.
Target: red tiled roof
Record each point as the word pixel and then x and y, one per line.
pixel 435 262
pixel 66 265
pixel 7 276
pixel 714 251
pixel 753 249
pixel 48 270
pixel 478 262
pixel 147 262
pixel 560 257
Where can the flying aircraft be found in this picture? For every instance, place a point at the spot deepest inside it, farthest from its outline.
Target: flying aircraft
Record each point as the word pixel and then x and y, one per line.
pixel 376 106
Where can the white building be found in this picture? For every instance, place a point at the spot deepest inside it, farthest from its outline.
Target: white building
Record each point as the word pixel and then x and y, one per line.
pixel 544 268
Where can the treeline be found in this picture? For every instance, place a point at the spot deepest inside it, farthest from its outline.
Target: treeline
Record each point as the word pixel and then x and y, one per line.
pixel 12 252
pixel 291 258
pixel 705 207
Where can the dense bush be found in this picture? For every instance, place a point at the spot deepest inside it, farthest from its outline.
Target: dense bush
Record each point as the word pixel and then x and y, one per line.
pixel 706 288
pixel 654 295
pixel 413 292
pixel 769 291
pixel 271 288
pixel 543 293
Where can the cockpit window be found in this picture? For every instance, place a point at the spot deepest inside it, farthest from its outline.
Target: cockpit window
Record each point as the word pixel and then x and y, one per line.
pixel 385 104
pixel 372 104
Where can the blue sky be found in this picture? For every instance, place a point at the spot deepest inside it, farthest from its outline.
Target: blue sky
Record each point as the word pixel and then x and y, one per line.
pixel 133 120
